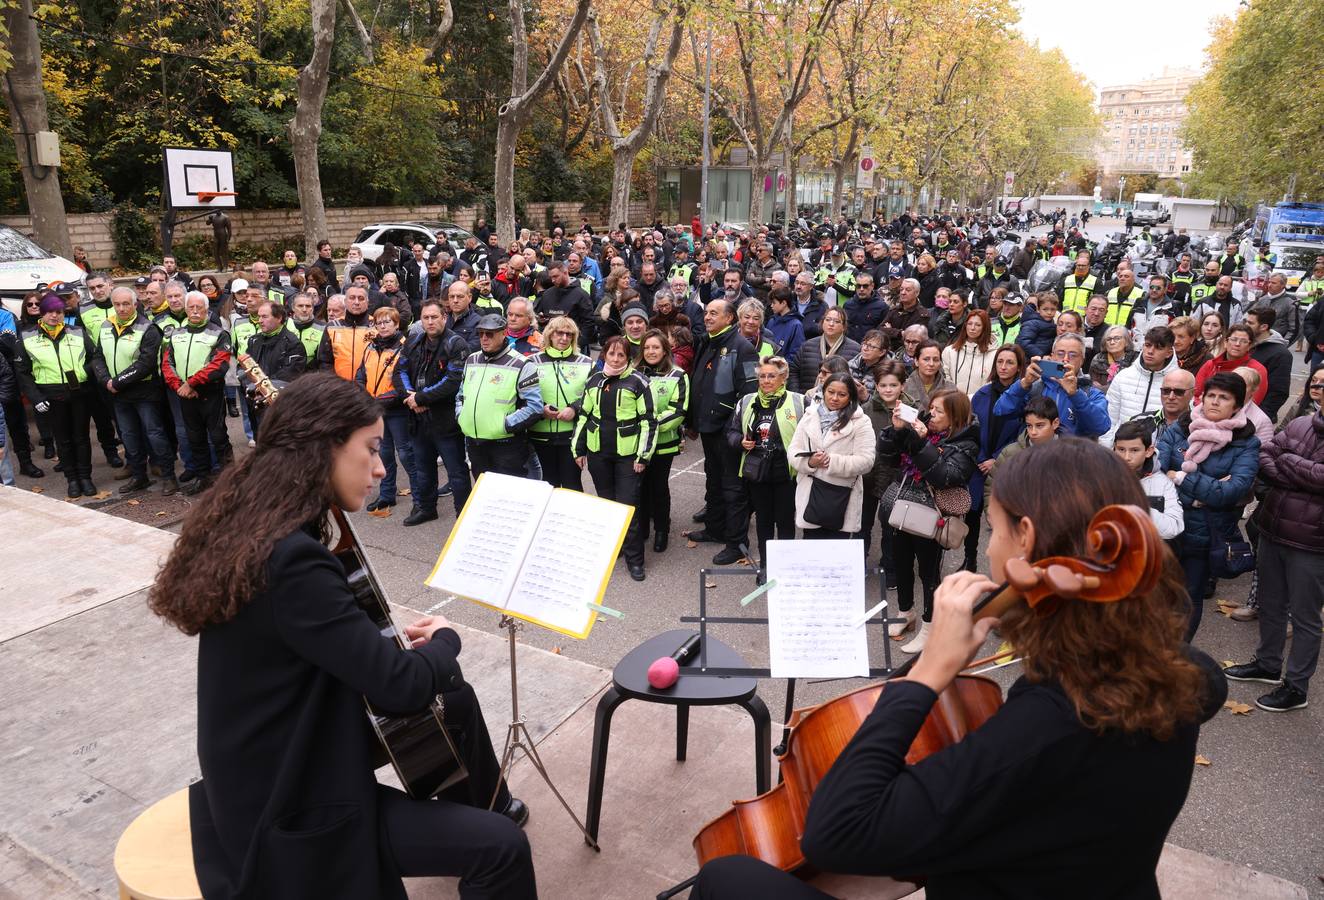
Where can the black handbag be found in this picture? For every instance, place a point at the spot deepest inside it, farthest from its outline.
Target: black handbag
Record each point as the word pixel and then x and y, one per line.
pixel 827 505
pixel 1228 559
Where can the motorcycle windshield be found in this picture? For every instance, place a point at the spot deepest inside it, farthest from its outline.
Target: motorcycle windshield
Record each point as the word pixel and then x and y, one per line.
pixel 1046 274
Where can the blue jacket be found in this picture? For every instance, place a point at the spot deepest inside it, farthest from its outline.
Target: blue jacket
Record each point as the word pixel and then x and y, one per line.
pixel 864 317
pixel 7 323
pixel 1084 414
pixel 1036 334
pixel 1221 501
pixel 990 444
pixel 788 333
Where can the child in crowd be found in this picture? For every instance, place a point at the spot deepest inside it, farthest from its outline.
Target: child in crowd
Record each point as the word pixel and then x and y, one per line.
pixel 1134 443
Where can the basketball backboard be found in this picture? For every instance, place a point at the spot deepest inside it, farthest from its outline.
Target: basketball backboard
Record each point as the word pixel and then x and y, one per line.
pixel 190 173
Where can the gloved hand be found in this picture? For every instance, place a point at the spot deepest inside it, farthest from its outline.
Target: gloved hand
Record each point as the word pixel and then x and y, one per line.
pixel 42 407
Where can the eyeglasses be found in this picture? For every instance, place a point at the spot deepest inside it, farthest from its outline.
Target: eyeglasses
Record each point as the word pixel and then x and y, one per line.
pixel 769 376
pixel 1317 385
pixel 1174 392
pixel 873 346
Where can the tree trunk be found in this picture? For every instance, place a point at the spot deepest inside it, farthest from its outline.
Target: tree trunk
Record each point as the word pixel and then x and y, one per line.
pixel 306 126
pixel 758 175
pixel 838 183
pixel 622 171
pixel 503 184
pixel 26 102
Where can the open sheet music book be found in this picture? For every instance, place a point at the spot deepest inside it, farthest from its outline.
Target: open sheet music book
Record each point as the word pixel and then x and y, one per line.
pixel 532 551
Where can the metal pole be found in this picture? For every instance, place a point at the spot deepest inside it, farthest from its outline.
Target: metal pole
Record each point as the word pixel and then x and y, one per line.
pixel 707 109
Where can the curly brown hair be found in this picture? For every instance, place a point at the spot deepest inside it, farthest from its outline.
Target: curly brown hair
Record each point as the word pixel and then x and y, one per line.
pixel 219 562
pixel 1123 664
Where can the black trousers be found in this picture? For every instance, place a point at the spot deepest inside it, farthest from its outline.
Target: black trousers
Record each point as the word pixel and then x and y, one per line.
pixel 204 421
pixel 773 506
pixel 655 496
pixel 102 406
pixel 738 877
pixel 17 420
pixel 254 411
pixel 727 517
pixel 69 427
pixel 973 521
pixel 614 478
pixel 558 465
pixel 506 457
pixel 455 834
pixel 868 514
pixel 908 551
pixel 826 534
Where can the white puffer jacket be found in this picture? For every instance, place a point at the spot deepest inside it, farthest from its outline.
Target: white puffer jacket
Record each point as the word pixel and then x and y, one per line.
pixel 1133 391
pixel 968 367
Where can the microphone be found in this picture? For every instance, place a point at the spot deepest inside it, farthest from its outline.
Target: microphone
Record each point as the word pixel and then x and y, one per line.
pixel 665 670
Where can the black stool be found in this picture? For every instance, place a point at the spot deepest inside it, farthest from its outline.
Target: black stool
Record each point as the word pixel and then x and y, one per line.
pixel 629 681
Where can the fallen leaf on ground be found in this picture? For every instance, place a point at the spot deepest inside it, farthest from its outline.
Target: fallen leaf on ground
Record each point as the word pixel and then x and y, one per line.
pixel 1223 601
pixel 383 513
pixel 101 495
pixel 402 492
pixel 689 545
pixel 132 502
pixel 710 585
pixel 556 650
pixel 1227 664
pixel 1202 761
pixel 1227 610
pixel 1240 709
pixel 161 515
pixel 38 490
pixel 745 561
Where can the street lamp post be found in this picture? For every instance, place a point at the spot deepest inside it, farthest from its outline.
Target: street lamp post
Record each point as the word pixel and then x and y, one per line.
pixel 1121 185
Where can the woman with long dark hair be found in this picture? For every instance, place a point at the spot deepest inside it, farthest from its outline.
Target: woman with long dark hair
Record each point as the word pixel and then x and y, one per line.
pixel 968 360
pixel 834 444
pixel 288 805
pixel 1101 728
pixel 995 433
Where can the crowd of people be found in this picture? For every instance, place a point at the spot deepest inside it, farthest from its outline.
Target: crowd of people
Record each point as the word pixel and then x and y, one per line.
pixel 831 390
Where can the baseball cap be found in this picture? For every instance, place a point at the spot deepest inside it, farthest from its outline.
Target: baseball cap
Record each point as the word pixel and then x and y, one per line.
pixel 238 285
pixel 492 322
pixel 141 281
pixel 1000 261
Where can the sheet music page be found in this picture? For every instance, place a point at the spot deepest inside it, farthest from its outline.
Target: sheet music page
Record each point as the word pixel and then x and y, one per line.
pixel 570 560
pixel 819 591
pixel 482 556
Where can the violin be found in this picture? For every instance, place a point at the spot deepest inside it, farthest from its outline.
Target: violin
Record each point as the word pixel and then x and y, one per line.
pixel 1124 558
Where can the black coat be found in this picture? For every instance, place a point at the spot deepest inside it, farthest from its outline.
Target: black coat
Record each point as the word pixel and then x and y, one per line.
pixel 434 371
pixel 949 463
pixel 281 355
pixel 805 366
pixel 725 369
pixel 1276 357
pixel 287 804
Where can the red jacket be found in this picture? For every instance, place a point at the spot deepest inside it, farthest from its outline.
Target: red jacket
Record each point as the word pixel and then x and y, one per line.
pixel 1221 363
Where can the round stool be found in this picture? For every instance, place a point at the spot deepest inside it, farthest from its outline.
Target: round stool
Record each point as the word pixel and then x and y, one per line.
pixel 154 856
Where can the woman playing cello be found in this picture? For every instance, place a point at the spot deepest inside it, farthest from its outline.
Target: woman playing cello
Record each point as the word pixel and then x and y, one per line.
pixel 1069 789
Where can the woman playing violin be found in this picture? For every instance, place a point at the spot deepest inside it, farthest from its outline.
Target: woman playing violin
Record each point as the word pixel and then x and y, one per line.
pixel 1069 789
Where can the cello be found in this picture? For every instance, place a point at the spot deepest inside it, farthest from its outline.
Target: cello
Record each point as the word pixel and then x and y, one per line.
pixel 1124 557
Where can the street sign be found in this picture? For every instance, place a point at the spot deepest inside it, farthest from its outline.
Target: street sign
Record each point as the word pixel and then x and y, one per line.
pixel 864 172
pixel 1008 181
pixel 781 182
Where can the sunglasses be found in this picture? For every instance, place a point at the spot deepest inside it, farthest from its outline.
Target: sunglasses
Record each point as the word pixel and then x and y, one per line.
pixel 1317 385
pixel 1174 392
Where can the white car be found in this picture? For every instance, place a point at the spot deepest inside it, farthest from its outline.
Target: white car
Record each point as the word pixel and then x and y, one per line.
pixel 1106 211
pixel 1295 260
pixel 26 266
pixel 405 234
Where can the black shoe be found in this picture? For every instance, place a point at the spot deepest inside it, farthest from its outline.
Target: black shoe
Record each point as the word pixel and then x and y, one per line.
pixel 139 483
pixel 701 514
pixel 75 489
pixel 169 487
pixel 196 485
pixel 113 459
pixel 1281 699
pixel 419 516
pixel 232 407
pixel 637 573
pixel 660 542
pixel 49 452
pixel 891 581
pixel 59 467
pixel 28 470
pixel 89 489
pixel 445 491
pixel 1251 671
pixel 379 503
pixel 727 557
pixel 186 476
pixel 761 578
pixel 969 564
pixel 702 537
pixel 516 811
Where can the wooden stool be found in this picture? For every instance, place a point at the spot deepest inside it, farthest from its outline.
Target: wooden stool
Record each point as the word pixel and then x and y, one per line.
pixel 154 856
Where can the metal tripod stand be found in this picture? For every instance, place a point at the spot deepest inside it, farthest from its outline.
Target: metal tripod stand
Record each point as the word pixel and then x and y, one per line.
pixel 518 738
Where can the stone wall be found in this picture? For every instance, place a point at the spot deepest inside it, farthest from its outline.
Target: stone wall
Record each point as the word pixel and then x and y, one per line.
pixel 91 231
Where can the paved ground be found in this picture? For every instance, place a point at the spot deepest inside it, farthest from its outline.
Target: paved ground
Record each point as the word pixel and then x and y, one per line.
pixel 1258 803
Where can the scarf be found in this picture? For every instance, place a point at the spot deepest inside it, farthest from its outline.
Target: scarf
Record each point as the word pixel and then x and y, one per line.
pixel 834 347
pixel 826 417
pixel 50 332
pixel 908 466
pixel 614 372
pixel 774 399
pixel 1204 436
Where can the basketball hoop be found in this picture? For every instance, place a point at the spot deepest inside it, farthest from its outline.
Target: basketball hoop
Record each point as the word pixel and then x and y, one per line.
pixel 209 196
